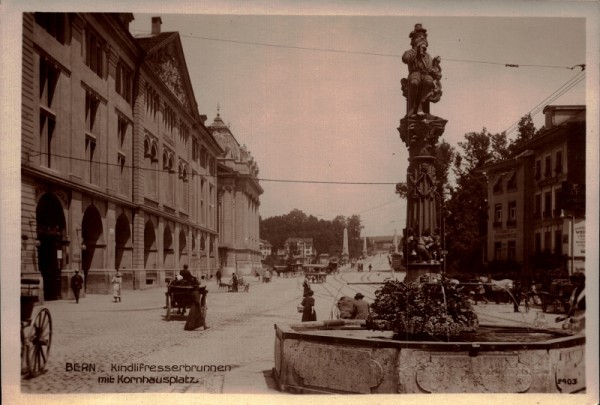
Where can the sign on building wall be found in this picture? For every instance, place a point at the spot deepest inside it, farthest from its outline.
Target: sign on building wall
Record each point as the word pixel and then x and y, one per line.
pixel 573 196
pixel 579 238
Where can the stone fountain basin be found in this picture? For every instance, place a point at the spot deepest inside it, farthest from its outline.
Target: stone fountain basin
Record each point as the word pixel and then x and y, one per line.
pixel 341 356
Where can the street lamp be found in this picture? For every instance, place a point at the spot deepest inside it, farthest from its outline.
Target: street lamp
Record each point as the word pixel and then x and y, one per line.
pixel 571 239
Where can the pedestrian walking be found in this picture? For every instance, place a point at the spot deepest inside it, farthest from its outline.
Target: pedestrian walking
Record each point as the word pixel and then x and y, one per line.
pixel 197 314
pixel 76 284
pixel 361 307
pixel 370 267
pixel 117 280
pixel 309 313
pixel 234 282
pixel 219 274
pixel 305 287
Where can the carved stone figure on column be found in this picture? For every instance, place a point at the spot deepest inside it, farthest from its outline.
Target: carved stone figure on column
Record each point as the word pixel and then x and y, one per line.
pixel 423 83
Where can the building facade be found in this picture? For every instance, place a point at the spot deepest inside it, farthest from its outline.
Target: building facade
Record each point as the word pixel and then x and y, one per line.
pixel 113 175
pixel 300 249
pixel 266 249
pixel 238 197
pixel 537 200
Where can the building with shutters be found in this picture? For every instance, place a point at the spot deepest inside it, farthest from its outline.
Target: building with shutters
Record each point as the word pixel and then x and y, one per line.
pixel 536 201
pixel 118 168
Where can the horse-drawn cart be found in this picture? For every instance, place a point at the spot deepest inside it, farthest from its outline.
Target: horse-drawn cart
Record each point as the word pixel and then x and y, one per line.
pixel 556 297
pixel 36 329
pixel 180 297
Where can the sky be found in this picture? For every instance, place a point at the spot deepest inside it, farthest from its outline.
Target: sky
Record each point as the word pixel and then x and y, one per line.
pixel 313 88
pixel 318 98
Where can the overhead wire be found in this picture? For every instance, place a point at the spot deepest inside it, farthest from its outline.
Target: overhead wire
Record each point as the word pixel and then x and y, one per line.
pixel 391 55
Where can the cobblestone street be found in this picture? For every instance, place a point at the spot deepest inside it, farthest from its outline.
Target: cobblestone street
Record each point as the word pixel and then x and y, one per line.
pixel 236 351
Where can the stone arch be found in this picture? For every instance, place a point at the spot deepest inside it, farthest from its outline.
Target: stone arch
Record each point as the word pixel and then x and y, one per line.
pixel 168 251
pixel 50 229
pixel 183 250
pixel 92 241
pixel 123 246
pixel 150 250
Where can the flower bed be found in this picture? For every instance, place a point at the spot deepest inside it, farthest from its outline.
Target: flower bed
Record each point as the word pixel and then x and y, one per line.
pixel 416 311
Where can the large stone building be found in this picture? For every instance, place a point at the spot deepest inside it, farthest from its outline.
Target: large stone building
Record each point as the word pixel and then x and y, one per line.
pixel 238 204
pixel 536 200
pixel 118 168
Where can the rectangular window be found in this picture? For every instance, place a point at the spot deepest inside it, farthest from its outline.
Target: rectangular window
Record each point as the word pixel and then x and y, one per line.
pixel 90 149
pixel 202 206
pixel 94 52
pixel 203 157
pixel 548 167
pixel 512 213
pixel 49 75
pixel 123 124
pixel 512 250
pixel 558 202
pixel 123 173
pixel 559 165
pixel 558 242
pixel 124 82
pixel 538 169
pixel 547 204
pixel 498 215
pixel 53 23
pixel 497 250
pixel 547 241
pixel 538 243
pixel 537 207
pixel 91 112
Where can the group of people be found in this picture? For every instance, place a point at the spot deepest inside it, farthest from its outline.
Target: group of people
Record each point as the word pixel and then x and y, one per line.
pixel 77 283
pixel 197 316
pixel 356 308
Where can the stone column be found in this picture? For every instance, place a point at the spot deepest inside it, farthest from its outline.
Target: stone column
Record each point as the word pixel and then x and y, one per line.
pixel 420 130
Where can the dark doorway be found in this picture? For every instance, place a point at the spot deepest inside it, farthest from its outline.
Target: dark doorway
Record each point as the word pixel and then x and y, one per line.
pixel 50 225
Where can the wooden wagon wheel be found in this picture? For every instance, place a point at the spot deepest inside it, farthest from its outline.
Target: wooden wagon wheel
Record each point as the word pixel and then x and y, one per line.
pixel 37 345
pixel 168 315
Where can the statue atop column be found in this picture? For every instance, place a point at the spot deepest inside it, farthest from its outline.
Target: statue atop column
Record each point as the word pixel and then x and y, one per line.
pixel 424 74
pixel 418 128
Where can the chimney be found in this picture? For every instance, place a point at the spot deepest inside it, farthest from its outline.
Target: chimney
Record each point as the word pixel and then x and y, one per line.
pixel 156 23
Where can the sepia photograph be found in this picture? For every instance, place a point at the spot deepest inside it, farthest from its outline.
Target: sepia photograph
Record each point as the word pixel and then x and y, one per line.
pixel 285 201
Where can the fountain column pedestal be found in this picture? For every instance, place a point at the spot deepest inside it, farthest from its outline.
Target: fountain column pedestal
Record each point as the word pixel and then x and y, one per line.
pixel 420 133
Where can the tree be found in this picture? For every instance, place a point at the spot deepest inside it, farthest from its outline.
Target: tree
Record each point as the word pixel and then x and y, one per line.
pixel 327 235
pixel 467 209
pixel 526 132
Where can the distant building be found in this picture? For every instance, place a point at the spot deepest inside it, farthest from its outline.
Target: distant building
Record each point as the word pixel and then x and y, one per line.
pixel 265 248
pixel 238 203
pixel 380 244
pixel 300 248
pixel 537 200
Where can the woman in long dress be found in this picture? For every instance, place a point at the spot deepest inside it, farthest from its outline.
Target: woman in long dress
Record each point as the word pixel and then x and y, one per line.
pixel 309 313
pixel 117 280
pixel 197 314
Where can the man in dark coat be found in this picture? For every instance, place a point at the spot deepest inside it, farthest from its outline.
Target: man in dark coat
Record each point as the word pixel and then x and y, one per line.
pixel 361 308
pixel 76 284
pixel 234 282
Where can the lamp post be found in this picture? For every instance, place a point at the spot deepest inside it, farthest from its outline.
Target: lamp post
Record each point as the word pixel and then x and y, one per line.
pixel 571 239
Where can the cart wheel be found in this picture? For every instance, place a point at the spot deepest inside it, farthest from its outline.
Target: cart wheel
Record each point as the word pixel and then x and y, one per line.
pixel 168 316
pixel 37 347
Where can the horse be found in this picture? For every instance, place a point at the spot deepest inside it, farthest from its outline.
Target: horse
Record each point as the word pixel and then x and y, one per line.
pixel 498 286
